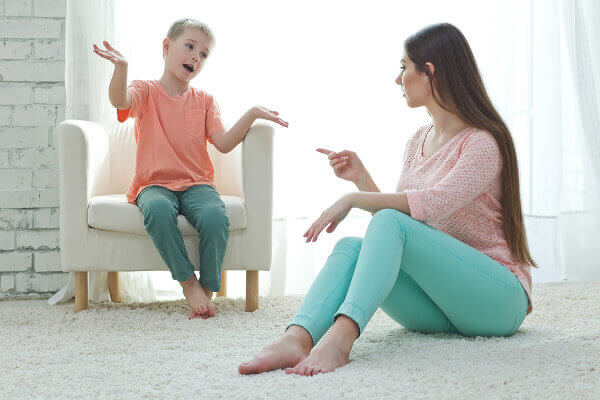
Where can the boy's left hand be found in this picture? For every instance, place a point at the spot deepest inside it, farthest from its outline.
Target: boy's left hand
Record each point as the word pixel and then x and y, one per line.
pixel 264 113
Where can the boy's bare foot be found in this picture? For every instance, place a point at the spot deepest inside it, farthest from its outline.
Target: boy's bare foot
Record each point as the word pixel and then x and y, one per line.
pixel 332 352
pixel 197 299
pixel 286 352
pixel 207 292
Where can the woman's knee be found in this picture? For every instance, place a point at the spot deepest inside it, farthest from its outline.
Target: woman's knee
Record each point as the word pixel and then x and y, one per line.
pixel 392 215
pixel 350 245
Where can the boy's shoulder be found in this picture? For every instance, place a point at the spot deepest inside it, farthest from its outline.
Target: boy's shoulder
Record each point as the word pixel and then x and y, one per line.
pixel 142 82
pixel 202 95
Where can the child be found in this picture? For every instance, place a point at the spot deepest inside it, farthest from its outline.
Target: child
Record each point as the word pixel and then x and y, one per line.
pixel 173 173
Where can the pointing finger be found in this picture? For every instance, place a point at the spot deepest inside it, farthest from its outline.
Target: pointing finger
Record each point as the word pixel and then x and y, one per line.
pixel 324 151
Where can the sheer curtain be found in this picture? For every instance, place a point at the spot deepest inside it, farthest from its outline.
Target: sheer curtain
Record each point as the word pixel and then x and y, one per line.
pixel 580 208
pixel 329 68
pixel 86 84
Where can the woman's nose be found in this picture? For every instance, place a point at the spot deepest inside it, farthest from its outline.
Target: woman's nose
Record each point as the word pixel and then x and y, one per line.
pixel 399 80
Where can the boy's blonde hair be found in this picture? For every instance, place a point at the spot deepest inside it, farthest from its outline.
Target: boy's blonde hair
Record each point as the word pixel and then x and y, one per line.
pixel 181 25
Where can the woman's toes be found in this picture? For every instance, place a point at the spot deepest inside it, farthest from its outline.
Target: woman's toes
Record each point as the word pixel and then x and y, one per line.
pixel 309 371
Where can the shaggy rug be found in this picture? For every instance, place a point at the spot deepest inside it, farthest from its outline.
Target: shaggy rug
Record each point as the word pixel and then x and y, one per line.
pixel 154 351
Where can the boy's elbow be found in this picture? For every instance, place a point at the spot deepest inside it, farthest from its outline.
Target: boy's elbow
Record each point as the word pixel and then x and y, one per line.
pixel 217 140
pixel 220 146
pixel 120 103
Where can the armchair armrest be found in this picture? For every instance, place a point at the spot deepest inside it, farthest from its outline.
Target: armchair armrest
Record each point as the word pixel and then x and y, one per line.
pixel 83 161
pixel 257 186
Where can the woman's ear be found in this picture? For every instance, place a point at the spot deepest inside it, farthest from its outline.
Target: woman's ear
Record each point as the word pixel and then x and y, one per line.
pixel 430 67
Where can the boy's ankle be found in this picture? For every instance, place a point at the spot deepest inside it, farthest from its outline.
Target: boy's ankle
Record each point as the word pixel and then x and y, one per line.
pixel 189 283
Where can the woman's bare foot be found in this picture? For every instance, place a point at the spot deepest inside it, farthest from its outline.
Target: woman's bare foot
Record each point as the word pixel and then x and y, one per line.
pixel 286 352
pixel 332 352
pixel 197 299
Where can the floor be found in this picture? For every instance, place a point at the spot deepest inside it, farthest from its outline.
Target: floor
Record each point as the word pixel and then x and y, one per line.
pixel 154 351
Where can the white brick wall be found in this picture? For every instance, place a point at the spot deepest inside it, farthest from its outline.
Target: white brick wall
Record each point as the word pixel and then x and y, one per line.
pixel 32 103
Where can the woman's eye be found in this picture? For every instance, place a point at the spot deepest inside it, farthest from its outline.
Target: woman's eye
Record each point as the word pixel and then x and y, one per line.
pixel 203 55
pixel 190 46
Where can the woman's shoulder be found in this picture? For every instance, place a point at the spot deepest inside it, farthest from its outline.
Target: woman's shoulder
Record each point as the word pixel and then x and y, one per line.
pixel 480 139
pixel 415 138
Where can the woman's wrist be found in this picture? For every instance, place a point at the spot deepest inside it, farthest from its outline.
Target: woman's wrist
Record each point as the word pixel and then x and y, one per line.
pixel 253 114
pixel 365 183
pixel 350 199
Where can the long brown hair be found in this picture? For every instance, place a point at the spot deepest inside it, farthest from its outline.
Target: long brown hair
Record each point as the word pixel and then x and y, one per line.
pixel 461 91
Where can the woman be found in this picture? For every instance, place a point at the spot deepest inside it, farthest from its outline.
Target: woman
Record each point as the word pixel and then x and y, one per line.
pixel 447 252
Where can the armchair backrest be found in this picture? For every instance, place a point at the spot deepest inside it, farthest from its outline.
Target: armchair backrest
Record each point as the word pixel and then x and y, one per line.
pixel 122 153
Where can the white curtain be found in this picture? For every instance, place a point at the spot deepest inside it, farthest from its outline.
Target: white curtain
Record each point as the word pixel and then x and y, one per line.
pixel 329 68
pixel 580 208
pixel 86 84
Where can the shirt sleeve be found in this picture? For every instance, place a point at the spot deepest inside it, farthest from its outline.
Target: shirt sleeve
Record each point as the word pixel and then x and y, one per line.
pixel 478 167
pixel 138 91
pixel 213 120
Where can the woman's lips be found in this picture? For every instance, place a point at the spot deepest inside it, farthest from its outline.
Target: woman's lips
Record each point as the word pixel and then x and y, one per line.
pixel 188 68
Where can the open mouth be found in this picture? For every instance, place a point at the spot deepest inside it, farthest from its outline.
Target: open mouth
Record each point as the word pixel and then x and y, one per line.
pixel 188 67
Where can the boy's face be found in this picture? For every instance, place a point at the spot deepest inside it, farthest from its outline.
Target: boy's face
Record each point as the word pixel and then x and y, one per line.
pixel 185 56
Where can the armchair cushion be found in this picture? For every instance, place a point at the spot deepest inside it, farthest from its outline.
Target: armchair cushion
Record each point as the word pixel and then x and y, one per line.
pixel 112 212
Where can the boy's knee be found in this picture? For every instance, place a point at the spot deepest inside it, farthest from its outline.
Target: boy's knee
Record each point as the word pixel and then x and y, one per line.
pixel 157 205
pixel 212 220
pixel 159 211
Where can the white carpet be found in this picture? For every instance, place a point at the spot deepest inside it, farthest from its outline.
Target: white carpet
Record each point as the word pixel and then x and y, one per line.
pixel 154 351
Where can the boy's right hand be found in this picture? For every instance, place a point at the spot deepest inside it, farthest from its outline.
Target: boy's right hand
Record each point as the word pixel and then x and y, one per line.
pixel 111 54
pixel 346 164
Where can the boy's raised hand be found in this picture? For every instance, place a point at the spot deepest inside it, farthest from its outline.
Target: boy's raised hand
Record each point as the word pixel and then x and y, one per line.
pixel 111 54
pixel 264 113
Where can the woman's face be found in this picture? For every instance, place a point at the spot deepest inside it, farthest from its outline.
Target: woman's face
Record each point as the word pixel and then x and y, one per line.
pixel 414 84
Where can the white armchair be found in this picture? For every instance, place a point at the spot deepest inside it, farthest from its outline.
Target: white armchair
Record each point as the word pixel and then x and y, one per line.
pixel 100 231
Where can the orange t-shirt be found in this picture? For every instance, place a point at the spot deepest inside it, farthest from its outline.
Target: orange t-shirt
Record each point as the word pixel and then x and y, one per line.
pixel 171 134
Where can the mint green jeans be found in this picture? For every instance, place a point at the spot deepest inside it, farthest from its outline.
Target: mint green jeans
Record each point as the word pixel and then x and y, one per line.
pixel 202 206
pixel 421 277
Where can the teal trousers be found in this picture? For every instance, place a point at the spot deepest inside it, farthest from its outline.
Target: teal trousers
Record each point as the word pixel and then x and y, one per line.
pixel 202 206
pixel 421 277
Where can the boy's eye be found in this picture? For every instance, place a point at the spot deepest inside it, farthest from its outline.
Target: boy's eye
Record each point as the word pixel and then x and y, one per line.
pixel 203 55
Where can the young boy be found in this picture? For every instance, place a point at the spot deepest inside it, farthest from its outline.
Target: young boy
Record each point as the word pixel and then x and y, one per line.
pixel 173 173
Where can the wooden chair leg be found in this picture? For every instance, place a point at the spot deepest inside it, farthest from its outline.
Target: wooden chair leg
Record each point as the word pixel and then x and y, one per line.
pixel 81 291
pixel 113 286
pixel 251 290
pixel 223 291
